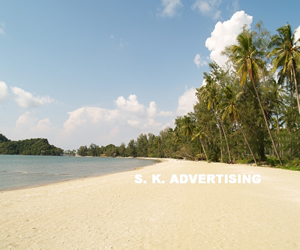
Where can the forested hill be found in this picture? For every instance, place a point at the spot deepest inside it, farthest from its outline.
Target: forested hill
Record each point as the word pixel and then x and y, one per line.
pixel 37 146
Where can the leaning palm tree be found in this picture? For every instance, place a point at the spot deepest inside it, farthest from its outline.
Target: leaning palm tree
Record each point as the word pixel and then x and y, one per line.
pixel 286 55
pixel 199 133
pixel 229 107
pixel 209 94
pixel 249 64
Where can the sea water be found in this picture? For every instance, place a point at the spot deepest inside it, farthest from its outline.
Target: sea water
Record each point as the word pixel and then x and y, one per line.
pixel 20 171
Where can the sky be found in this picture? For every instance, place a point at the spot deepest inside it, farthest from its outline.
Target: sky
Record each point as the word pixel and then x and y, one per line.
pixel 79 72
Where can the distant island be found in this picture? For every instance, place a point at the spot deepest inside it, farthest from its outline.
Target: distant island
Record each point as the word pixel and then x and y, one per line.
pixel 37 146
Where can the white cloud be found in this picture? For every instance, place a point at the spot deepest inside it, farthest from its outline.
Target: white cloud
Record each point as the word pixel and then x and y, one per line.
pixel 202 6
pixel 170 7
pixel 208 7
pixel 152 124
pixel 129 112
pixel 165 113
pixel 134 123
pixel 101 126
pixel 29 126
pixel 89 115
pixel 199 61
pixel 3 91
pixel 27 100
pixel 43 125
pixel 225 34
pixel 152 109
pixel 130 105
pixel 297 35
pixel 26 121
pixel 187 101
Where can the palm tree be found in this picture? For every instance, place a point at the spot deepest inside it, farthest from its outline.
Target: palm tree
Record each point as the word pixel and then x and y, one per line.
pixel 209 94
pixel 249 64
pixel 176 136
pixel 286 55
pixel 199 133
pixel 229 107
pixel 187 125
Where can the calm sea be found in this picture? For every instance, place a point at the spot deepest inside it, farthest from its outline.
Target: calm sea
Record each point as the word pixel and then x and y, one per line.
pixel 19 171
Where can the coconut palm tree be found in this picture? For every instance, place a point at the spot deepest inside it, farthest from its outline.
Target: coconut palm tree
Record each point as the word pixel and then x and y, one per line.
pixel 187 126
pixel 273 97
pixel 249 64
pixel 286 56
pixel 176 136
pixel 210 95
pixel 229 108
pixel 199 133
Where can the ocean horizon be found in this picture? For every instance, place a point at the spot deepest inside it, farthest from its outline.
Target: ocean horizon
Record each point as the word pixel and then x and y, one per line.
pixel 23 171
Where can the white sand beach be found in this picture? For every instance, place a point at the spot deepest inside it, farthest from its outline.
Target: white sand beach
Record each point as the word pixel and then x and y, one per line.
pixel 114 212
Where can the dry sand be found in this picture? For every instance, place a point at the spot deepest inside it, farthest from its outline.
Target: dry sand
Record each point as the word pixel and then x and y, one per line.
pixel 114 212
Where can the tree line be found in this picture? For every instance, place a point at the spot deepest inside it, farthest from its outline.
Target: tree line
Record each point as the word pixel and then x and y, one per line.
pixel 248 110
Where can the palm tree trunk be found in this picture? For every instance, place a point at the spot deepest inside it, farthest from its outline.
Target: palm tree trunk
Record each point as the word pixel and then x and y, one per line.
pixel 203 149
pixel 221 147
pixel 228 149
pixel 247 143
pixel 278 134
pixel 296 86
pixel 192 157
pixel 267 125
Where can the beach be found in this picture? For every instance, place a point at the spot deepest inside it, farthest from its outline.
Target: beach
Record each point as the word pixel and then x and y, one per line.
pixel 115 211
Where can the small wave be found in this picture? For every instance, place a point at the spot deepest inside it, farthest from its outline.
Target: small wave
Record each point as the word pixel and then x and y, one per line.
pixel 41 173
pixel 50 174
pixel 62 174
pixel 30 173
pixel 20 172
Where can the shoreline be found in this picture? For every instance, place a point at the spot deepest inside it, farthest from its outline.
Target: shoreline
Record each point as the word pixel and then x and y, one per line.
pixel 81 178
pixel 114 212
pixel 84 177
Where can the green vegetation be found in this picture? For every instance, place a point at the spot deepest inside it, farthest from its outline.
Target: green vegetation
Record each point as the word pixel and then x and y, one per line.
pixel 293 165
pixel 70 152
pixel 28 147
pixel 248 111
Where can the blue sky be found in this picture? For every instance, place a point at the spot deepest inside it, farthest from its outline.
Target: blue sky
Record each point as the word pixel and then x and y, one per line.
pixel 82 72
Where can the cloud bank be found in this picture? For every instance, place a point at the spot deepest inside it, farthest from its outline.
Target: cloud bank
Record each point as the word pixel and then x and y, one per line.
pixel 102 126
pixel 87 125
